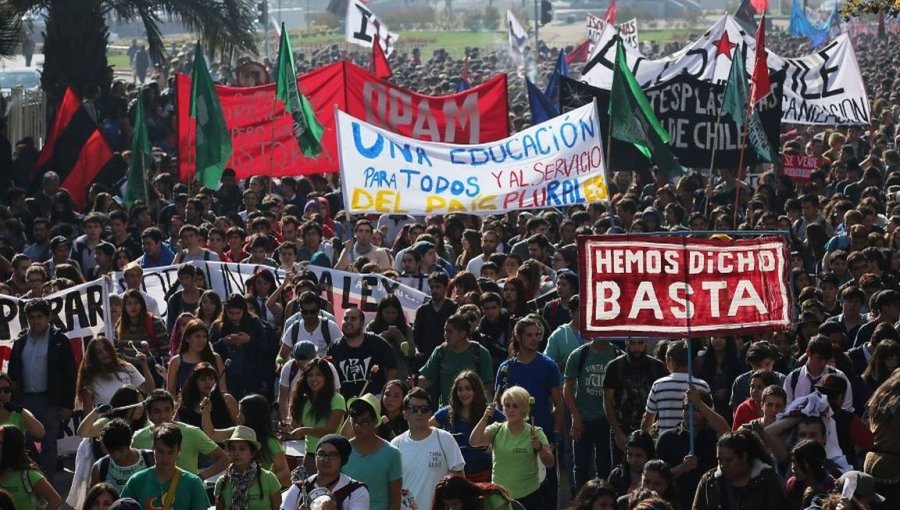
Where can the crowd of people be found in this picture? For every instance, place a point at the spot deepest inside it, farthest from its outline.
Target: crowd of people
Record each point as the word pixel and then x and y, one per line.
pixel 488 396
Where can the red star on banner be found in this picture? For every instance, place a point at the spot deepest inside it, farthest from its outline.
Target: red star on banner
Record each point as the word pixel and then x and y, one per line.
pixel 724 45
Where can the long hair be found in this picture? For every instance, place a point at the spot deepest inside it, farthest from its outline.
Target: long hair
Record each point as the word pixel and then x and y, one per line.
pixel 141 321
pixel 98 490
pixel 14 457
pixel 320 404
pixel 91 368
pixel 809 456
pixel 191 396
pixel 662 469
pixel 473 238
pixel 264 274
pixel 258 416
pixel 472 495
pixel 215 298
pixel 710 363
pixel 886 399
pixel 591 492
pixel 479 400
pixel 192 327
pixel 520 307
pixel 747 443
pixel 878 369
pixel 379 324
pixel 126 396
pixel 237 302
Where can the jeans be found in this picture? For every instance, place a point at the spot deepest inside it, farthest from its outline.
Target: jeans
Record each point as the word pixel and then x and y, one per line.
pixel 48 414
pixel 591 452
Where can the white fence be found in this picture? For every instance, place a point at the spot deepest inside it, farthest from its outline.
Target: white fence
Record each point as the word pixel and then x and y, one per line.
pixel 27 115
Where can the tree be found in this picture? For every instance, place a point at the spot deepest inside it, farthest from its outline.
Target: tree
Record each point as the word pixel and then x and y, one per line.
pixel 860 7
pixel 77 33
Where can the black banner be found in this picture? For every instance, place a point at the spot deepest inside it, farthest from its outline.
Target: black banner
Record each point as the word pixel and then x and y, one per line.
pixel 688 109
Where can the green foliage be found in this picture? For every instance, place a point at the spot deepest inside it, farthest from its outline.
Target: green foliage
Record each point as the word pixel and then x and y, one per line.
pixel 491 19
pixel 410 16
pixel 472 21
pixel 74 48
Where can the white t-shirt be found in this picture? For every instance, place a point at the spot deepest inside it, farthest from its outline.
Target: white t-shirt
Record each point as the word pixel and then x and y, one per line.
pixel 426 462
pixel 316 336
pixel 286 382
pixel 104 388
pixel 357 500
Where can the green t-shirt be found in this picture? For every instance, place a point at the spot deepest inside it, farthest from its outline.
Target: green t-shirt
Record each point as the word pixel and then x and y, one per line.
pixel 445 364
pixel 258 500
pixel 18 491
pixel 561 343
pixel 589 382
pixel 515 463
pixel 193 443
pixel 16 420
pixel 145 488
pixel 337 404
pixel 376 470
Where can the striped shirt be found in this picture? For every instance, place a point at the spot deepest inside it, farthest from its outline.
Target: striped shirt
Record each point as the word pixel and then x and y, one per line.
pixel 666 398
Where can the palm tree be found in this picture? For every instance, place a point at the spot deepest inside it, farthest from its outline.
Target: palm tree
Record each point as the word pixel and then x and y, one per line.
pixel 77 34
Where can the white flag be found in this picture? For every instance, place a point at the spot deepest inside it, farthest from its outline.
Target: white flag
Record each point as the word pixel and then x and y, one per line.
pixel 518 37
pixel 363 25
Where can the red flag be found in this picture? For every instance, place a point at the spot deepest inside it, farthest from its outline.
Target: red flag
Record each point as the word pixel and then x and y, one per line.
pixel 610 15
pixel 381 68
pixel 580 53
pixel 760 85
pixel 93 156
pixel 760 5
pixel 67 108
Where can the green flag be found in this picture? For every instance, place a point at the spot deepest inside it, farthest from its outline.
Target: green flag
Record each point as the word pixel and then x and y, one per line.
pixel 633 120
pixel 307 129
pixel 734 103
pixel 213 144
pixel 140 158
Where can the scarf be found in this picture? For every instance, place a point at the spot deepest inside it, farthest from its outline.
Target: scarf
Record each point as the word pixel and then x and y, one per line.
pixel 240 486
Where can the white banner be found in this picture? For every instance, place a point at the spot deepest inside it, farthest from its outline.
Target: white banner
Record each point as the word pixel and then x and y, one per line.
pixel 554 164
pixel 363 25
pixel 342 289
pixel 518 37
pixel 79 312
pixel 825 87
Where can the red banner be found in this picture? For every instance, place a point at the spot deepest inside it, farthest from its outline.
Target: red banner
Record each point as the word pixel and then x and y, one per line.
pixel 798 168
pixel 262 136
pixel 664 286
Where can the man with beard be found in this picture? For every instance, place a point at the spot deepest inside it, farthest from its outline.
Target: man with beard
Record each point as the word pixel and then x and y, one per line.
pixel 626 385
pixel 489 243
pixel 357 353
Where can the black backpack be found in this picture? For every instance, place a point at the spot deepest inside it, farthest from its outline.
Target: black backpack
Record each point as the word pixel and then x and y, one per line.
pixel 339 495
pixel 323 325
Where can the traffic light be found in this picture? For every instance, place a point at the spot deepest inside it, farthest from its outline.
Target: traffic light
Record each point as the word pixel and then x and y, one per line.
pixel 546 12
pixel 263 8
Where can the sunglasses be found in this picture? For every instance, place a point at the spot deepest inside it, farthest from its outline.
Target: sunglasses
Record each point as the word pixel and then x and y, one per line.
pixel 309 313
pixel 414 409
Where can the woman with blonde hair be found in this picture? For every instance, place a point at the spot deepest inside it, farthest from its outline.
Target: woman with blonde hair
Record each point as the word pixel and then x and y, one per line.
pixel 517 446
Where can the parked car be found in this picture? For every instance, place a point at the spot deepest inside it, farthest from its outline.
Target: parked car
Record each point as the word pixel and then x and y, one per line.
pixel 12 77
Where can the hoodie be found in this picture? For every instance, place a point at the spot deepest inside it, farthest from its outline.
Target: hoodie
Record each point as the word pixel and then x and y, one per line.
pixel 764 491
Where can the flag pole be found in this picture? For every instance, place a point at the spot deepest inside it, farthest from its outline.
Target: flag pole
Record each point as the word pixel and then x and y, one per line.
pixel 740 168
pixel 607 172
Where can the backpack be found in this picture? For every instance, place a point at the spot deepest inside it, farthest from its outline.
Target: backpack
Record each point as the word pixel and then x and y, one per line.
pixel 795 376
pixel 39 502
pixel 339 495
pixel 146 455
pixel 323 325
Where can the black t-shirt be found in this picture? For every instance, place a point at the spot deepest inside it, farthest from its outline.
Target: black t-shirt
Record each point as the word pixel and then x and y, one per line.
pixel 672 447
pixel 631 383
pixel 354 364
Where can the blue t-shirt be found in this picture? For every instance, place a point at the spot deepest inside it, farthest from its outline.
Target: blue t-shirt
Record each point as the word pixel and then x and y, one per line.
pixel 377 470
pixel 539 377
pixel 477 459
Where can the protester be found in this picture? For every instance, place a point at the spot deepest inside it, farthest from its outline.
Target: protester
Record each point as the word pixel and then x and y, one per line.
pixel 166 484
pixel 316 408
pixel 428 454
pixel 20 477
pixel 121 460
pixel 246 484
pixel 196 349
pixel 373 461
pixel 15 415
pixel 332 454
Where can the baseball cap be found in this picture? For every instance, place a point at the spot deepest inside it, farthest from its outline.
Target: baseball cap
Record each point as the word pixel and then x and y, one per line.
pixel 58 241
pixel 831 385
pixel 304 350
